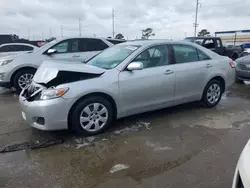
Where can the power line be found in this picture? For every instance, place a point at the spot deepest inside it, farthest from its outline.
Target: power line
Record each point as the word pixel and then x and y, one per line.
pixel 61 31
pixel 80 27
pixel 196 16
pixel 113 22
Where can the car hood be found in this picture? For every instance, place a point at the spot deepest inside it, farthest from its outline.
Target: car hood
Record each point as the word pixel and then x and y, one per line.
pixel 244 60
pixel 50 69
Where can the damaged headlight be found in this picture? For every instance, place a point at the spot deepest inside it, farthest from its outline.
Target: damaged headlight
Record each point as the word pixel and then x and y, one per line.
pixel 5 62
pixel 53 93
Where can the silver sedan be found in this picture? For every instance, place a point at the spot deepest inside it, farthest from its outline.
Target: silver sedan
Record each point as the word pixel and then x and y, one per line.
pixel 123 80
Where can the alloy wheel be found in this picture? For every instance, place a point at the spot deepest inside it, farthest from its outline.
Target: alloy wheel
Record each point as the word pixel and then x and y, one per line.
pixel 213 93
pixel 25 80
pixel 93 117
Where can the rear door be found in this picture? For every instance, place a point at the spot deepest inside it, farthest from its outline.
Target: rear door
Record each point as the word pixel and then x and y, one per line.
pixel 219 47
pixel 90 47
pixel 191 72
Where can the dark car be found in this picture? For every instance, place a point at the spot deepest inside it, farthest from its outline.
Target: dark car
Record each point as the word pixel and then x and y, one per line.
pixel 215 44
pixel 243 69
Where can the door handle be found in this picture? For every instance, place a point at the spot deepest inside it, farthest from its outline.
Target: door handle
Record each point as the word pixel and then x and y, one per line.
pixel 75 56
pixel 168 72
pixel 208 65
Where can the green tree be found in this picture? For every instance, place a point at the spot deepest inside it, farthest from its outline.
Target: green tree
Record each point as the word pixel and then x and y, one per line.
pixel 204 33
pixel 119 36
pixel 146 33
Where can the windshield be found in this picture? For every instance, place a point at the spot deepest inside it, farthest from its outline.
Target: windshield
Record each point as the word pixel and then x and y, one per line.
pixel 112 57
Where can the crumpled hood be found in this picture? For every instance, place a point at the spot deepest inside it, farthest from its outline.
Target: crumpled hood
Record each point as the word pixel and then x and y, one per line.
pixel 50 69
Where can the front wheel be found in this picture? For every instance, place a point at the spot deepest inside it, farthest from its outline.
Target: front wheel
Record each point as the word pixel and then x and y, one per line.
pixel 212 93
pixel 23 78
pixel 91 115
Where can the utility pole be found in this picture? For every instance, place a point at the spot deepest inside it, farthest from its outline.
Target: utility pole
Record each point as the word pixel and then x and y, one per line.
pixel 61 31
pixel 113 22
pixel 196 16
pixel 50 33
pixel 80 27
pixel 28 33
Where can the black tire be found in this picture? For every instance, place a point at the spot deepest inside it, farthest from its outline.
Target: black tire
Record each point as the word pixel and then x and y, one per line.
pixel 235 56
pixel 239 81
pixel 74 119
pixel 18 75
pixel 205 93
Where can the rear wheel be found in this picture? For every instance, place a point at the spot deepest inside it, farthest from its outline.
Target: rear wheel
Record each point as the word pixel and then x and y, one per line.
pixel 212 93
pixel 23 78
pixel 91 116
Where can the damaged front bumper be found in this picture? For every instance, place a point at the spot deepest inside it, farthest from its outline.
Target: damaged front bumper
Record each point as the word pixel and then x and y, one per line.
pixel 45 114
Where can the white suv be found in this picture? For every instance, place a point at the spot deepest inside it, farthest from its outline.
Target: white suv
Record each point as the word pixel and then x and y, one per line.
pixel 17 71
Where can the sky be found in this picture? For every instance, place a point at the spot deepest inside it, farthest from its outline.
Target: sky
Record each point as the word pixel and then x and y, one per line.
pixel 169 19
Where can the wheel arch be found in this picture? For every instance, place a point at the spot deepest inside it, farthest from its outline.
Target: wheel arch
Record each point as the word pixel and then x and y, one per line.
pixel 99 94
pixel 19 69
pixel 220 79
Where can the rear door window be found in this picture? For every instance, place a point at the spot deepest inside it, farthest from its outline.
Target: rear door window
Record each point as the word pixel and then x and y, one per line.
pixel 23 48
pixel 185 53
pixel 8 48
pixel 88 45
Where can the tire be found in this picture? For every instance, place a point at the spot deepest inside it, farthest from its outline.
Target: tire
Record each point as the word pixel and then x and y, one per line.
pixel 23 72
pixel 94 117
pixel 239 81
pixel 206 99
pixel 235 56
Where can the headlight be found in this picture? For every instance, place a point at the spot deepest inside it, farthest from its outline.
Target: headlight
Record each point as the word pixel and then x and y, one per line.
pixel 5 62
pixel 53 93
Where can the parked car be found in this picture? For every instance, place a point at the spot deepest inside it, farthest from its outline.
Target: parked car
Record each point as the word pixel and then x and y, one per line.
pixel 126 79
pixel 18 71
pixel 215 44
pixel 246 48
pixel 242 171
pixel 243 69
pixel 15 48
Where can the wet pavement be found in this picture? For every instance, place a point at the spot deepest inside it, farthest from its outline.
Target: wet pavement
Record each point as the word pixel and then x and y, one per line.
pixel 183 146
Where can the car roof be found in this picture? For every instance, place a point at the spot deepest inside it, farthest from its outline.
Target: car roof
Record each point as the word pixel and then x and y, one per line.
pixel 85 37
pixel 26 44
pixel 202 38
pixel 149 42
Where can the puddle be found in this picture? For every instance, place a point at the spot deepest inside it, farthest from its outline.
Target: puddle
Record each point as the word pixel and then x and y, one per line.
pixel 30 145
pixel 134 128
pixel 157 146
pixel 118 167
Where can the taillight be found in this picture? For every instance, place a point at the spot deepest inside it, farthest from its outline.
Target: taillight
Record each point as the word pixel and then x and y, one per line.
pixel 232 64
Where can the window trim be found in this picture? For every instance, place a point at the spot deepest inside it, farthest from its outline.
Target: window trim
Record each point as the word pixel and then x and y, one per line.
pixel 196 49
pixel 170 58
pixel 70 44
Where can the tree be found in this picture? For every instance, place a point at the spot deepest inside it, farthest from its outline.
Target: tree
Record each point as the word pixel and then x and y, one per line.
pixel 119 36
pixel 204 33
pixel 146 33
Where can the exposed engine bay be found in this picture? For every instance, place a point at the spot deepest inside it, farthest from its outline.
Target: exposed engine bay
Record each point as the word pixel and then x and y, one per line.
pixel 33 91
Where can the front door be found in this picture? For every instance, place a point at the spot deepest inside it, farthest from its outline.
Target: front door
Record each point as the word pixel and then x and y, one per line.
pixel 149 88
pixel 191 70
pixel 67 50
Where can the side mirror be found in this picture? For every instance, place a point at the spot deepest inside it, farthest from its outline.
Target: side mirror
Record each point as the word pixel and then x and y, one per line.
pixel 51 51
pixel 135 66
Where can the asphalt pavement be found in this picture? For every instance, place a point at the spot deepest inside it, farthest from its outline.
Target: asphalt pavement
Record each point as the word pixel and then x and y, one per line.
pixel 183 146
